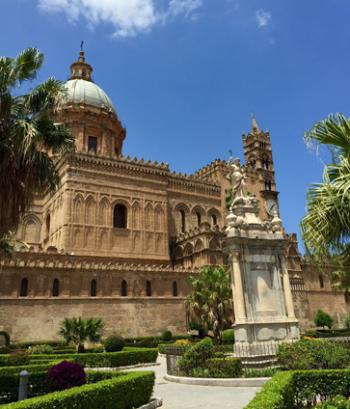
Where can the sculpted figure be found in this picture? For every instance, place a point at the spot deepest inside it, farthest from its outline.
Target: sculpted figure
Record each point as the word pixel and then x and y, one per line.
pixel 237 177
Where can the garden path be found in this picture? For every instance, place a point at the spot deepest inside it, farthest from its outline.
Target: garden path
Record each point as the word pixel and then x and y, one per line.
pixel 177 396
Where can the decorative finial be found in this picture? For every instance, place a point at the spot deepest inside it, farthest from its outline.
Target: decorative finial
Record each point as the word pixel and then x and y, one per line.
pixel 81 45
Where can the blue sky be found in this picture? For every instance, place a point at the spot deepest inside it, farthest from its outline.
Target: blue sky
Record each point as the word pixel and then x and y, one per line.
pixel 185 75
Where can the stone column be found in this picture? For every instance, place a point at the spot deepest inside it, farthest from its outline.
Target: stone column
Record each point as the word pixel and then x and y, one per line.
pixel 237 288
pixel 287 289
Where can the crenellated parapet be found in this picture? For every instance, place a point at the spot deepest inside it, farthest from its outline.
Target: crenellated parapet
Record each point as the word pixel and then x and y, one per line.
pixel 216 166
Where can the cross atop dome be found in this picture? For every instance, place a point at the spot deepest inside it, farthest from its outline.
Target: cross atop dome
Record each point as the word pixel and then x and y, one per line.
pixel 80 69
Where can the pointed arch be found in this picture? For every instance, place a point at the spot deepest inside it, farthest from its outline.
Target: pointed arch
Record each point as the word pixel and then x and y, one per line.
pixel 214 244
pixel 136 216
pixel 149 217
pixel 188 251
pixel 199 245
pixel 158 218
pixel 90 210
pixel 104 212
pixel 78 208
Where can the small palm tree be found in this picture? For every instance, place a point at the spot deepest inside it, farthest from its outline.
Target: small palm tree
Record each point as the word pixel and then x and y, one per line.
pixel 326 226
pixel 211 298
pixel 27 136
pixel 79 330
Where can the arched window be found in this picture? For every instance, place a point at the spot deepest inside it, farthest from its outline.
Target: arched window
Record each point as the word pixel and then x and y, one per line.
pixel 120 216
pixel 320 277
pixel 92 144
pixel 24 288
pixel 148 288
pixel 253 163
pixel 199 219
pixel 93 289
pixel 55 288
pixel 48 222
pixel 268 185
pixel 183 221
pixel 214 219
pixel 265 164
pixel 124 289
pixel 175 293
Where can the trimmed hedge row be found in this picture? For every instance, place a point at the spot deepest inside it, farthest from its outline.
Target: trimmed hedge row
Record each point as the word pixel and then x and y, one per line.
pixel 109 359
pixel 94 360
pixel 122 391
pixel 290 390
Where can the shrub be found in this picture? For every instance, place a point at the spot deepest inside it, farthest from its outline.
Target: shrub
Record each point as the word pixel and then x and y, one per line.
pixel 313 354
pixel 166 336
pixel 41 349
pixel 196 356
pixel 224 367
pixel 65 375
pixel 183 342
pixel 228 336
pixel 346 321
pixel 129 390
pixel 114 343
pixel 323 319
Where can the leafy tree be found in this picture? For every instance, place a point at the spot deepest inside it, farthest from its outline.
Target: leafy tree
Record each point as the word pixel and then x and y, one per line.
pixel 323 319
pixel 346 321
pixel 79 330
pixel 210 300
pixel 28 134
pixel 326 226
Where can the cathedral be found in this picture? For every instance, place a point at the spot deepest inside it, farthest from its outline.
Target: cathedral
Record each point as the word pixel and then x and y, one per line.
pixel 120 236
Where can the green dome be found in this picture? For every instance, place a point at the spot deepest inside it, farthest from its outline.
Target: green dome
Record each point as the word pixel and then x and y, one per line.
pixel 80 91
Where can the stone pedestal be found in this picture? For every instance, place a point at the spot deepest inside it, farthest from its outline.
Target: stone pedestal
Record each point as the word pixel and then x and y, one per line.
pixel 262 297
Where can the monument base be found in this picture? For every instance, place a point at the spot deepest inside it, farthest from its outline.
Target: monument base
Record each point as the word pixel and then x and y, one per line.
pixel 256 344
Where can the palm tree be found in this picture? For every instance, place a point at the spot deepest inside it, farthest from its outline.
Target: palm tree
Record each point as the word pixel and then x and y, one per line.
pixel 326 226
pixel 27 136
pixel 79 330
pixel 211 298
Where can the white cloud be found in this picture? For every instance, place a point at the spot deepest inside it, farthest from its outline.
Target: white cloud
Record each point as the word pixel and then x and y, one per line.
pixel 263 18
pixel 128 17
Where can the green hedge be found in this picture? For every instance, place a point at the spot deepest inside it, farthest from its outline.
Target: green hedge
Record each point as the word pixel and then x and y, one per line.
pixel 291 390
pixel 125 391
pixel 108 359
pixel 224 367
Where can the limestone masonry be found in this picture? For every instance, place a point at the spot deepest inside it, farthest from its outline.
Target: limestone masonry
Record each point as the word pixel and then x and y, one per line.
pixel 120 237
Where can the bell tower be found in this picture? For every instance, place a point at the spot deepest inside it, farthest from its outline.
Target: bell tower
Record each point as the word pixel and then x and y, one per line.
pixel 260 170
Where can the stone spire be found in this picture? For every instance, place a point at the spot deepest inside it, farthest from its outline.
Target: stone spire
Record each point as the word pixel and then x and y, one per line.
pixel 80 69
pixel 255 126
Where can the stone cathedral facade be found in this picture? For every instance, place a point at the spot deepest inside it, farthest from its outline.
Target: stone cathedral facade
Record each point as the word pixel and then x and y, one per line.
pixel 120 237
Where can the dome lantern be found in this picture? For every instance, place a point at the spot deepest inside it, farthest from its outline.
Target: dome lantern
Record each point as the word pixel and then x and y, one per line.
pixel 80 69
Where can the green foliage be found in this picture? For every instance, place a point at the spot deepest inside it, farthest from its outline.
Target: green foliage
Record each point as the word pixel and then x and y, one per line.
pixel 14 359
pixel 228 336
pixel 166 336
pixel 211 298
pixel 27 135
pixel 6 336
pixel 313 354
pixel 322 319
pixel 196 356
pixel 114 343
pixel 346 321
pixel 278 393
pixel 108 359
pixel 326 226
pixel 224 367
pixel 297 389
pixel 259 373
pixel 338 402
pixel 128 391
pixel 79 330
pixel 41 349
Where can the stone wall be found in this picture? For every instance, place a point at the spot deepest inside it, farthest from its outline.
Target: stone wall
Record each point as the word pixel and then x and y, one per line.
pixel 38 319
